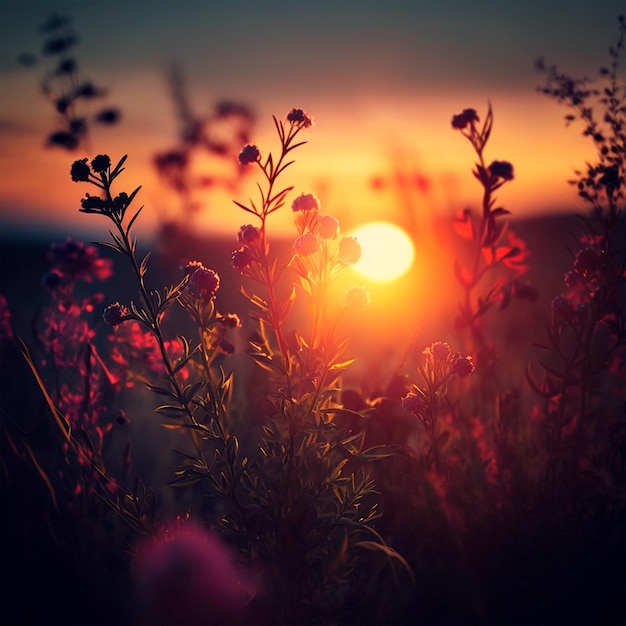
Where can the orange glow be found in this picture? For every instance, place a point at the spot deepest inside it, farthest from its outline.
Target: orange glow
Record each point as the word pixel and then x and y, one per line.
pixel 338 164
pixel 387 251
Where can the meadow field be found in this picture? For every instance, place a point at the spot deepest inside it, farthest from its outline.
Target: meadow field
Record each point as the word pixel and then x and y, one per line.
pixel 248 428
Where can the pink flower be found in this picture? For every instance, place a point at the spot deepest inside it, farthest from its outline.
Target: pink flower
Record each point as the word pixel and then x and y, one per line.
pixel 327 227
pixel 587 261
pixel 463 366
pixel 248 234
pixel 439 350
pixel 203 283
pixel 305 202
pixel 349 250
pixel 75 261
pixel 186 575
pixel 306 244
pixel 242 258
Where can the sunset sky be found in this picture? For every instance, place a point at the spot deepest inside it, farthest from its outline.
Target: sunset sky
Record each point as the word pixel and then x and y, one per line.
pixel 381 78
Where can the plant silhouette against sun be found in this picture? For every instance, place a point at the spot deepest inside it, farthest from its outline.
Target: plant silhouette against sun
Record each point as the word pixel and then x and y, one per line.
pixel 311 480
pixel 496 253
pixel 301 500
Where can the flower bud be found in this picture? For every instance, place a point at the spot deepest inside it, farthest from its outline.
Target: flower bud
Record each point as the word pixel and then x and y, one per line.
pixel 101 163
pixel 249 154
pixel 115 314
pixel 349 250
pixel 306 244
pixel 305 202
pixel 80 171
pixel 463 366
pixel 327 227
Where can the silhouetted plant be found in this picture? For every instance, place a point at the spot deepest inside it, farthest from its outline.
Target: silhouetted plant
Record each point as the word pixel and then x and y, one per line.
pixel 217 136
pixel 299 502
pixel 494 247
pixel 584 356
pixel 67 90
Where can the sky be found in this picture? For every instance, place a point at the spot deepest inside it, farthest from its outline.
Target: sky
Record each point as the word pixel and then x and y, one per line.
pixel 381 78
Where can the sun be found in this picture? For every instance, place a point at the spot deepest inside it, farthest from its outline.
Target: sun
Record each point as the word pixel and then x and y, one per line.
pixel 387 251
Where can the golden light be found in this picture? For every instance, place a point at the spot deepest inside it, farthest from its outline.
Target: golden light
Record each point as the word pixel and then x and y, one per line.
pixel 387 251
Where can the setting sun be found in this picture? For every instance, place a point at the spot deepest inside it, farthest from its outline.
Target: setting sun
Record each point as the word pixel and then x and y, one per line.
pixel 388 251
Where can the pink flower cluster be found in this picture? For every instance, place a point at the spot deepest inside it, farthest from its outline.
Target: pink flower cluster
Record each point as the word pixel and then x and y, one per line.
pixel 186 575
pixel 315 231
pixel 202 283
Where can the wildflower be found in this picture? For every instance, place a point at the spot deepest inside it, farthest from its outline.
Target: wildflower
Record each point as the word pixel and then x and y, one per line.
pixel 115 314
pixel 587 261
pixel 501 169
pixel 327 227
pixel 468 116
pixel 349 250
pixel 248 234
pixel 562 308
pixel 93 204
pixel 249 154
pixel 80 171
pixel 78 262
pixel 571 278
pixel 242 258
pixel 414 402
pixel 101 163
pixel 203 282
pixel 300 118
pixel 306 244
pixel 305 202
pixel 357 297
pixel 463 366
pixel 440 351
pixel 121 202
pixel 186 575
